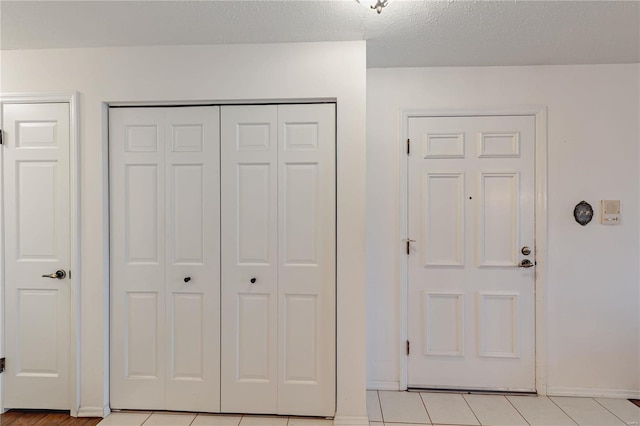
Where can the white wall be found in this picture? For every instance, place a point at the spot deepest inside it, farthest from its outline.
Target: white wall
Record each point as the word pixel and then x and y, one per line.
pixel 593 293
pixel 212 73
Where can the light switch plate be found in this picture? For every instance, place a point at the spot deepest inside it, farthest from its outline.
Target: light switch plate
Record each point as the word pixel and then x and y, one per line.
pixel 610 212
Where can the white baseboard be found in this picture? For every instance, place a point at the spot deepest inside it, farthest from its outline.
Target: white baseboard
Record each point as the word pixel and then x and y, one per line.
pixel 94 411
pixel 593 393
pixel 383 385
pixel 350 421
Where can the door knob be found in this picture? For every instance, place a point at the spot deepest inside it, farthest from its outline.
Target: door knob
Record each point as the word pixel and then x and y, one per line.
pixel 526 263
pixel 187 279
pixel 253 280
pixel 59 274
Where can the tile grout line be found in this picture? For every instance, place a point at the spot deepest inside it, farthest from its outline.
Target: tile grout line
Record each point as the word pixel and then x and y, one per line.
pixel 556 404
pixel 516 408
pixel 194 419
pixel 380 405
pixel 424 404
pixel 470 408
pixel 148 417
pixel 614 414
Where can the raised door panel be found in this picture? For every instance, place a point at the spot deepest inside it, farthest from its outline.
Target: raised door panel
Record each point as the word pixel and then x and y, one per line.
pixel 442 215
pixel 37 193
pixel 249 283
pixel 499 240
pixel 192 258
pixel 35 167
pixel 35 332
pixel 141 214
pixel 137 200
pixel 306 259
pixel 141 330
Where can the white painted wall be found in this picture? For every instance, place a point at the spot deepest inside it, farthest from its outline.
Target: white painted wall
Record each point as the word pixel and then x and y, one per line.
pixel 593 278
pixel 214 73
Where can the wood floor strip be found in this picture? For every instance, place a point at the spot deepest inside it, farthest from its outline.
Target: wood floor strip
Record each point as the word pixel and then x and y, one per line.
pixel 44 418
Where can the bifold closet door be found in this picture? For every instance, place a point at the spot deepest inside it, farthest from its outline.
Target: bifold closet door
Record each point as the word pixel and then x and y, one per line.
pixel 165 258
pixel 278 259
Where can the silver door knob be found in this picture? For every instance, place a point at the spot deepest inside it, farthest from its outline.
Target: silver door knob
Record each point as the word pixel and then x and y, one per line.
pixel 59 274
pixel 526 263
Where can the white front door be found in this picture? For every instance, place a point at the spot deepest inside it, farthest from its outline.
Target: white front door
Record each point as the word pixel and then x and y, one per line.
pixel 35 168
pixel 165 257
pixel 278 259
pixel 471 214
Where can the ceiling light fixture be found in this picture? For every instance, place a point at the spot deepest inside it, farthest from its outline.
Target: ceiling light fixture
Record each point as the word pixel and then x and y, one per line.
pixel 376 5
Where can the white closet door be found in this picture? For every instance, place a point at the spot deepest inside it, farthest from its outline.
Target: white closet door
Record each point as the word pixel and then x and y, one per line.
pixel 136 169
pixel 193 259
pixel 164 180
pixel 249 259
pixel 278 226
pixel 306 259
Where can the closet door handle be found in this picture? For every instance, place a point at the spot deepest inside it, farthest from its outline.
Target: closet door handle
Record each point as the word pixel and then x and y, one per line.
pixel 187 279
pixel 253 280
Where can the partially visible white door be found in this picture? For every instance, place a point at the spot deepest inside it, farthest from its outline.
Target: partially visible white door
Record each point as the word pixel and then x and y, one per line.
pixel 471 212
pixel 278 259
pixel 249 358
pixel 36 239
pixel 306 259
pixel 165 257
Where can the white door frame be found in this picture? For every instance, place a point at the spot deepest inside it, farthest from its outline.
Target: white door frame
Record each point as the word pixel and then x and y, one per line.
pixel 540 285
pixel 70 98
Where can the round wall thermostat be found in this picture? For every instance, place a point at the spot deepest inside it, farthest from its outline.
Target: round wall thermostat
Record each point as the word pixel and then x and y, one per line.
pixel 583 213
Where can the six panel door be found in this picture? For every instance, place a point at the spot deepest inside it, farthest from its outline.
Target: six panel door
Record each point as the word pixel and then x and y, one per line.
pixel 471 212
pixel 165 258
pixel 278 259
pixel 36 241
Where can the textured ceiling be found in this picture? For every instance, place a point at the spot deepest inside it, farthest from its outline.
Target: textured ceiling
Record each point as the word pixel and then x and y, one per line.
pixel 407 33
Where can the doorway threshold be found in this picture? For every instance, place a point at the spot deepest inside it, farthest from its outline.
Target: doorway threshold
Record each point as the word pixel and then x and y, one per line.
pixel 473 391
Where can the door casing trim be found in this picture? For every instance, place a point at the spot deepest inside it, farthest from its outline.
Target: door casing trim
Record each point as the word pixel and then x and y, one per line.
pixel 71 98
pixel 539 112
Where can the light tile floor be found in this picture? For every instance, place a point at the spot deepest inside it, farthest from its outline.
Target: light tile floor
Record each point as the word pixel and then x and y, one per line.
pixel 387 408
pixel 136 418
pixel 428 408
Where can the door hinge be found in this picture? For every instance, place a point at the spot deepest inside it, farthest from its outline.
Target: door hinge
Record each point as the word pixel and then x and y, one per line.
pixel 2 364
pixel 1 136
pixel 409 241
pixel 408 146
pixel 408 348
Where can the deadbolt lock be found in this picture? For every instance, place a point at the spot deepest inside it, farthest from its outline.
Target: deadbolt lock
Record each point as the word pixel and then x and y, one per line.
pixel 526 251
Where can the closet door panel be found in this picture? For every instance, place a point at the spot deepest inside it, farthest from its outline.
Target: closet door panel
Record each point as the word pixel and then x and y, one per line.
pixel 249 259
pixel 306 261
pixel 192 234
pixel 136 144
